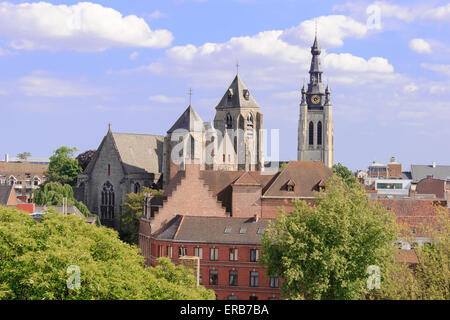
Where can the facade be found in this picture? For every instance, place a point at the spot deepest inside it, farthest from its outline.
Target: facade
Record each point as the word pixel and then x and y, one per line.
pixel 315 125
pixel 123 163
pixel 23 176
pixel 220 217
pixel 7 196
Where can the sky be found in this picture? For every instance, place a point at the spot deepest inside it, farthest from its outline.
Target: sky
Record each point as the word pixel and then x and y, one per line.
pixel 69 68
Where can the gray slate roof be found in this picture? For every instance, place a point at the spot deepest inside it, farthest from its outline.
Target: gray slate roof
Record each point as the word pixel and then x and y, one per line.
pixel 212 229
pixel 140 151
pixel 419 172
pixel 189 120
pixel 237 90
pixel 5 191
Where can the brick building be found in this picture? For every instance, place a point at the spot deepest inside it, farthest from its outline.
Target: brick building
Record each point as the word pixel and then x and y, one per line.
pixel 220 216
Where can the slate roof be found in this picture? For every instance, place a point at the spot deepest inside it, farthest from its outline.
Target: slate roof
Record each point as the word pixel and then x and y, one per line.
pixel 189 120
pixel 212 229
pixel 140 151
pixel 5 191
pixel 420 172
pixel 237 92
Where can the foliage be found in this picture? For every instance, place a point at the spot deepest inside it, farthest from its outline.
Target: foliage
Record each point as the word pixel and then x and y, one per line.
pixel 84 158
pixel 53 194
pixel 23 155
pixel 430 280
pixel 35 256
pixel 62 167
pixel 344 173
pixel 127 221
pixel 322 251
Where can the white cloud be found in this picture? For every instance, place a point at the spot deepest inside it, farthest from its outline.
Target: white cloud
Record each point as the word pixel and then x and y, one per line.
pixel 156 15
pixel 165 99
pixel 350 63
pixel 134 55
pixel 420 45
pixel 410 88
pixel 84 26
pixel 44 86
pixel 439 13
pixel 440 68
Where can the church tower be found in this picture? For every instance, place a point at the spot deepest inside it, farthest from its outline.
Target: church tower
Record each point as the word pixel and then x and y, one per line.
pixel 315 125
pixel 239 120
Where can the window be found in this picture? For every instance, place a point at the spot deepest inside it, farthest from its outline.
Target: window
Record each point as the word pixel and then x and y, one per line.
pixel 213 277
pixel 214 254
pixel 169 252
pixel 198 252
pixel 274 281
pixel 254 278
pixel 311 133
pixel 107 206
pixel 200 278
pixel 243 230
pixel 109 170
pixel 160 250
pixel 233 254
pixel 254 255
pixel 233 297
pixel 260 231
pixel 233 278
pixel 250 122
pixel 319 133
pixel 182 251
pixel 229 123
pixel 227 229
pixel 253 298
pixel 137 187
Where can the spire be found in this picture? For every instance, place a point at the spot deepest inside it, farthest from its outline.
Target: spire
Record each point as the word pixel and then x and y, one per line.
pixel 109 126
pixel 315 71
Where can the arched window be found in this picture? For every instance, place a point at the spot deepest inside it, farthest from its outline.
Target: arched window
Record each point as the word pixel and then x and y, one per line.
pixel 311 133
pixel 250 122
pixel 137 187
pixel 107 207
pixel 229 124
pixel 319 133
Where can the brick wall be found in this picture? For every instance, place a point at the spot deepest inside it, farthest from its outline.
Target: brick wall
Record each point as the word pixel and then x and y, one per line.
pixel 246 201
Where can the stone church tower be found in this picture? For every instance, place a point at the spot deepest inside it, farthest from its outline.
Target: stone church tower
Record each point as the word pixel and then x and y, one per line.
pixel 315 125
pixel 239 120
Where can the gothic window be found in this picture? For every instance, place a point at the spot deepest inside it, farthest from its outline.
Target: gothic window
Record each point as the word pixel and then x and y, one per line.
pixel 229 124
pixel 319 133
pixel 137 187
pixel 250 122
pixel 107 206
pixel 311 133
pixel 109 170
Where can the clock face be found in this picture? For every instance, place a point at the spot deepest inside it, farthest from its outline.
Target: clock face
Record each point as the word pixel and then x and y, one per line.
pixel 315 99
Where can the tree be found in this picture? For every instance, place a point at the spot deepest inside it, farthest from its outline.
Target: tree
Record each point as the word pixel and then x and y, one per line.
pixel 127 221
pixel 323 251
pixel 44 261
pixel 84 158
pixel 430 279
pixel 53 194
pixel 62 167
pixel 24 155
pixel 344 173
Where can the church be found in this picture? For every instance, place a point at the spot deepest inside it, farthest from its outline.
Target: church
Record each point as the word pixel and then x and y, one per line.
pixel 124 163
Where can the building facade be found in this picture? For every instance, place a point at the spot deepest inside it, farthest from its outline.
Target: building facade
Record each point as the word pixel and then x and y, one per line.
pixel 315 125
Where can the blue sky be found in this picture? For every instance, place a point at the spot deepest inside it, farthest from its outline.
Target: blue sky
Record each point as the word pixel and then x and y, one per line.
pixel 69 68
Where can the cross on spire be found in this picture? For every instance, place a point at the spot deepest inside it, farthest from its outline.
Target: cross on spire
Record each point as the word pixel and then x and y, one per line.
pixel 237 66
pixel 190 95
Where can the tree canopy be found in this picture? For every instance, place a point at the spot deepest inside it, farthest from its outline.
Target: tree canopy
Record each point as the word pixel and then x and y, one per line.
pixel 127 221
pixel 44 261
pixel 63 168
pixel 323 251
pixel 84 158
pixel 344 173
pixel 23 155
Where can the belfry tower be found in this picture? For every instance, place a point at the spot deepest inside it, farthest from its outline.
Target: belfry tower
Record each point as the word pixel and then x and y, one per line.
pixel 315 124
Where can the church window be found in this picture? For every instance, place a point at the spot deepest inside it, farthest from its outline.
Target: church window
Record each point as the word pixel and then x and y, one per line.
pixel 229 124
pixel 107 206
pixel 223 157
pixel 246 94
pixel 137 187
pixel 109 170
pixel 250 122
pixel 311 133
pixel 319 133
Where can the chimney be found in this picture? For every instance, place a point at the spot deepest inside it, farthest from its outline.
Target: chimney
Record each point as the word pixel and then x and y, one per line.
pixel 433 164
pixel 393 159
pixel 6 158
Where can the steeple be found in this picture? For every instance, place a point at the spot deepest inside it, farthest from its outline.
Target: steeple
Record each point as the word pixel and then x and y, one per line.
pixel 315 71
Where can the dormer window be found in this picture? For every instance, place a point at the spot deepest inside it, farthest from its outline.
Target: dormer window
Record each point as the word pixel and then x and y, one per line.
pixel 230 94
pixel 246 94
pixel 290 185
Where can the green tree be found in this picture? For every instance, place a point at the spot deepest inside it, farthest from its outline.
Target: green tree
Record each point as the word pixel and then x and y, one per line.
pixel 430 280
pixel 53 193
pixel 36 258
pixel 24 155
pixel 322 251
pixel 127 221
pixel 63 168
pixel 344 173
